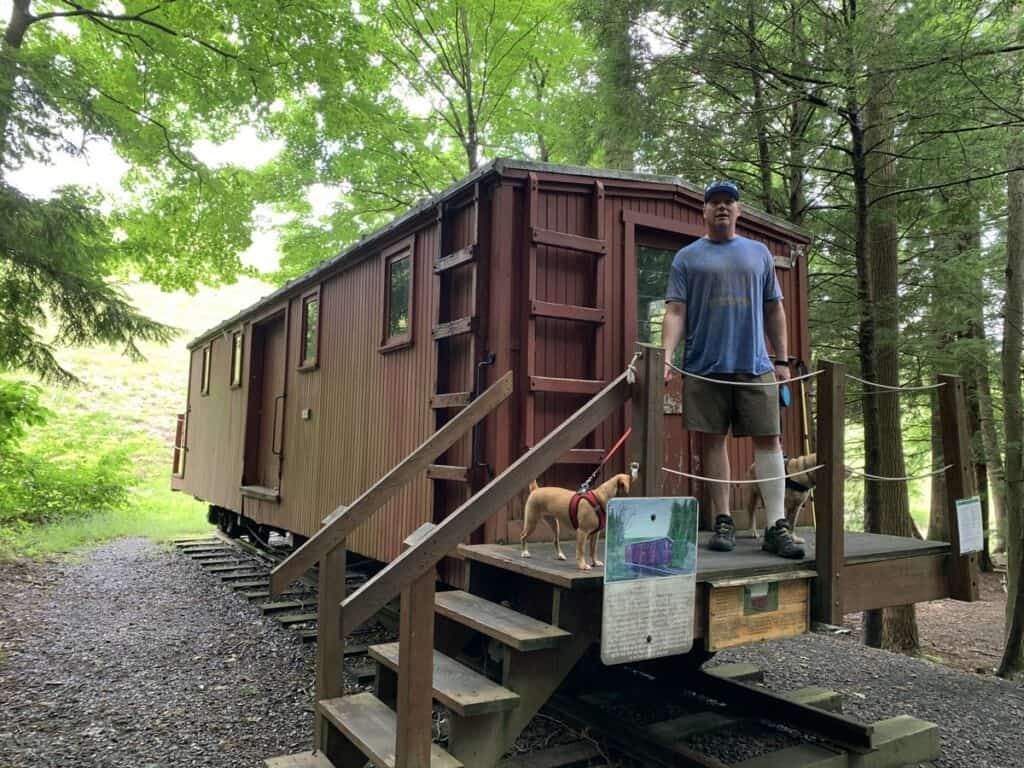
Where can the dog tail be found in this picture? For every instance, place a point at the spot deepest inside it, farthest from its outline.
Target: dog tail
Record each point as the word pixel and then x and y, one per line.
pixel 533 486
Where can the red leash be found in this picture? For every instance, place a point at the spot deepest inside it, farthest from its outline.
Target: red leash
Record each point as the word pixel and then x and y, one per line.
pixel 586 485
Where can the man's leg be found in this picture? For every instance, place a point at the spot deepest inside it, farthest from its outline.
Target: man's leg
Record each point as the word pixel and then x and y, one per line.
pixel 716 465
pixel 768 463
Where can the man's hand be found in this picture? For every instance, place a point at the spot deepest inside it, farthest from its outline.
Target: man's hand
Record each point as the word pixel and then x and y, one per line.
pixel 668 372
pixel 781 371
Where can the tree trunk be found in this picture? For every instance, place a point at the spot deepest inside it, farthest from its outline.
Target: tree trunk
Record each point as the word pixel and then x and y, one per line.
pixel 897 627
pixel 17 26
pixel 613 24
pixel 1013 427
pixel 938 522
pixel 799 116
pixel 763 158
pixel 993 457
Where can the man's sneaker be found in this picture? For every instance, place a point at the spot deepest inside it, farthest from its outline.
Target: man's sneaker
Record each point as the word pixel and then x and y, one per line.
pixel 779 541
pixel 723 535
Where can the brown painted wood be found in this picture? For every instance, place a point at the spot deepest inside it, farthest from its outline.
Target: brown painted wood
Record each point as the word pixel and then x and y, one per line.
pixel 582 456
pixel 567 241
pixel 567 311
pixel 456 327
pixel 887 583
pixel 451 400
pixel 347 519
pixel 414 724
pixel 827 603
pixel 512 628
pixel 566 386
pixel 462 690
pixel 411 564
pixel 960 483
pixel 448 472
pixel 330 649
pixel 648 413
pixel 452 260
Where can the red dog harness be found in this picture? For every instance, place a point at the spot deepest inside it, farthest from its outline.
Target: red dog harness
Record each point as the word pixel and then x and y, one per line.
pixel 592 500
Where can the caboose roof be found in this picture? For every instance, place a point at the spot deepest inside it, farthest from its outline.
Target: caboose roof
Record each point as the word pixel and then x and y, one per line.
pixel 365 245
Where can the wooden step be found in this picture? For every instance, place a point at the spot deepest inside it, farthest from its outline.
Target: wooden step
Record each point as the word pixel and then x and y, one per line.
pixel 567 311
pixel 295 618
pixel 286 605
pixel 230 567
pixel 454 328
pixel 254 583
pixel 370 724
pixel 450 400
pixel 452 260
pixel 458 687
pixel 448 472
pixel 299 760
pixel 503 624
pixel 566 386
pixel 240 575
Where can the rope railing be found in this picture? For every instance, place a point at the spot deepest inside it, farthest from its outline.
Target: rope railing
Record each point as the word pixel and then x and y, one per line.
pixel 891 388
pixel 742 482
pixel 868 476
pixel 688 375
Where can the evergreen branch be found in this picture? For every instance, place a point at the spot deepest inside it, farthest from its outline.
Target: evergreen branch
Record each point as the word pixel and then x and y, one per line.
pixel 944 185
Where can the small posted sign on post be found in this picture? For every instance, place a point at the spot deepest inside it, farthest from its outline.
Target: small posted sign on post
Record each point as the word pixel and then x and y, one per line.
pixel 968 518
pixel 650 579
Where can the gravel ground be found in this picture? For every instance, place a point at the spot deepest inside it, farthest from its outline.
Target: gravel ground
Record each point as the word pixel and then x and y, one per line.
pixel 981 719
pixel 134 656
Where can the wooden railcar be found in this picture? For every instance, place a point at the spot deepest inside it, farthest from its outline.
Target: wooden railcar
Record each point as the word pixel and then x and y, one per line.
pixel 302 401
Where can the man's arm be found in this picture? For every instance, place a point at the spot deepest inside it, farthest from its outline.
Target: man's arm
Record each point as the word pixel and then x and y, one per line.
pixel 672 328
pixel 775 327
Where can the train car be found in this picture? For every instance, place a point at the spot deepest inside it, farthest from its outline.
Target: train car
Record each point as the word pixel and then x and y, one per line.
pixel 302 401
pixel 657 552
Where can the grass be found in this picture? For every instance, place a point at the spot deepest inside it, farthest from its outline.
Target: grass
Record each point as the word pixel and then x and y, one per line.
pixel 141 400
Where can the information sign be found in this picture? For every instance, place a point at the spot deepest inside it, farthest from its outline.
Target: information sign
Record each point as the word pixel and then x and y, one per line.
pixel 650 578
pixel 968 518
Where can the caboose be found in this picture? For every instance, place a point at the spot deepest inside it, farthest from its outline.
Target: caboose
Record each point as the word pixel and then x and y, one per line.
pixel 299 403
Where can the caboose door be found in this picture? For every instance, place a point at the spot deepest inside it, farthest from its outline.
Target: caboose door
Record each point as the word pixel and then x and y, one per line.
pixel 265 423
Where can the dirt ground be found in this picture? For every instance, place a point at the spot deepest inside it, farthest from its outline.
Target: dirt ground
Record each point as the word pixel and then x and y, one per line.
pixel 964 636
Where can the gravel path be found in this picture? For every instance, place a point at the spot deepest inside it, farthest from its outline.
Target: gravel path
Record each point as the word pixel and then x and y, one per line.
pixel 981 719
pixel 134 656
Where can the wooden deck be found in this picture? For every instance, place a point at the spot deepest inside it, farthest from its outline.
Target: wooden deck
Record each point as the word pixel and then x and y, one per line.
pixel 747 560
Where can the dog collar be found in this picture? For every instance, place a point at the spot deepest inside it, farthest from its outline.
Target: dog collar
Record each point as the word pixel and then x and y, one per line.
pixel 791 483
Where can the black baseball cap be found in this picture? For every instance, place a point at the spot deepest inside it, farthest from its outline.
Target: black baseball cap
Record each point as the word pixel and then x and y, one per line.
pixel 721 187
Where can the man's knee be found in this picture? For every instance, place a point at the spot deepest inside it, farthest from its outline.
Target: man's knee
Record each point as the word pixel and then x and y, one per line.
pixel 767 443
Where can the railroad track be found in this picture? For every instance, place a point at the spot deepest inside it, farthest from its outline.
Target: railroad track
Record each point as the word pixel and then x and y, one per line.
pixel 804 728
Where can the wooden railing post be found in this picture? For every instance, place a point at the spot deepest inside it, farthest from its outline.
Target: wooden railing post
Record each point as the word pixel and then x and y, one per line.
pixel 648 414
pixel 829 535
pixel 416 667
pixel 330 643
pixel 960 483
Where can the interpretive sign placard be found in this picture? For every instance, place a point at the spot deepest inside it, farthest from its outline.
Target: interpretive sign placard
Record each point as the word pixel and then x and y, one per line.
pixel 968 518
pixel 650 577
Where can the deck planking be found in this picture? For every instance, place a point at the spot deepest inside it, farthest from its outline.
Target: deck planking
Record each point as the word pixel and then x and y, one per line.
pixel 746 560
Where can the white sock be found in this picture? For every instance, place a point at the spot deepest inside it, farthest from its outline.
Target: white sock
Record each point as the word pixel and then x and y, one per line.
pixel 770 464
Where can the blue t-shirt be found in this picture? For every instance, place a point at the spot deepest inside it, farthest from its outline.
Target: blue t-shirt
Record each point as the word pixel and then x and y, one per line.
pixel 725 287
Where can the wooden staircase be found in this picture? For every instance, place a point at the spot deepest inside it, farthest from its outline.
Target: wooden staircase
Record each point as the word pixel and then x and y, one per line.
pixel 539 641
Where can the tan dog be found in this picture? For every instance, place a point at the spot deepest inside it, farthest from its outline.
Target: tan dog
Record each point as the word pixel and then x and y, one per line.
pixel 552 504
pixel 798 490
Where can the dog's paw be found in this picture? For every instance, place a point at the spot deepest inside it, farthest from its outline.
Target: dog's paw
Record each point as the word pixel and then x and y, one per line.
pixel 524 553
pixel 598 563
pixel 561 556
pixel 584 566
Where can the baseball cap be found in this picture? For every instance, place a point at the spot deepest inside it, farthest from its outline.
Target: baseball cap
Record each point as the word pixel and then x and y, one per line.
pixel 721 187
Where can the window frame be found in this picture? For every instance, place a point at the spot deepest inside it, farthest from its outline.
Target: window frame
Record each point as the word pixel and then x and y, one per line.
pixel 204 370
pixel 311 363
pixel 400 250
pixel 240 335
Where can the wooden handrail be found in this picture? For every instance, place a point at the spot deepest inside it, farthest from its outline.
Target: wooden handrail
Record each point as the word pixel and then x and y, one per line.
pixel 414 562
pixel 339 524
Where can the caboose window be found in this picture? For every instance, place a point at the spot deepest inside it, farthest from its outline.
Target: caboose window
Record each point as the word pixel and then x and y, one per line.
pixel 310 331
pixel 236 359
pixel 398 296
pixel 204 385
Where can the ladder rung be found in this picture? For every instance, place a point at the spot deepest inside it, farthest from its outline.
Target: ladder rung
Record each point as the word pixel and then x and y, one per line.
pixel 448 472
pixel 455 328
pixel 452 260
pixel 567 311
pixel 565 240
pixel 567 386
pixel 451 400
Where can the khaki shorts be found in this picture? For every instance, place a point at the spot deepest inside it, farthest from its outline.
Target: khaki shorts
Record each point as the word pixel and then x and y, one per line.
pixel 714 407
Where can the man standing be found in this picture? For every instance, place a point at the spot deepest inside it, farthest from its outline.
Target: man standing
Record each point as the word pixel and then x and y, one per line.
pixel 723 296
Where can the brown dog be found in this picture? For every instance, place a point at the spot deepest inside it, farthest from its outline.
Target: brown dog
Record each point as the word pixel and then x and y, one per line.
pixel 552 504
pixel 798 490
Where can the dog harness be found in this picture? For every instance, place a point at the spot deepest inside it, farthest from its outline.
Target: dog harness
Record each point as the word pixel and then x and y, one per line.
pixel 592 500
pixel 794 485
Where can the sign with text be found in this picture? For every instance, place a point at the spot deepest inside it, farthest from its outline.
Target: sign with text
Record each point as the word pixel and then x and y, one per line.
pixel 650 578
pixel 968 519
